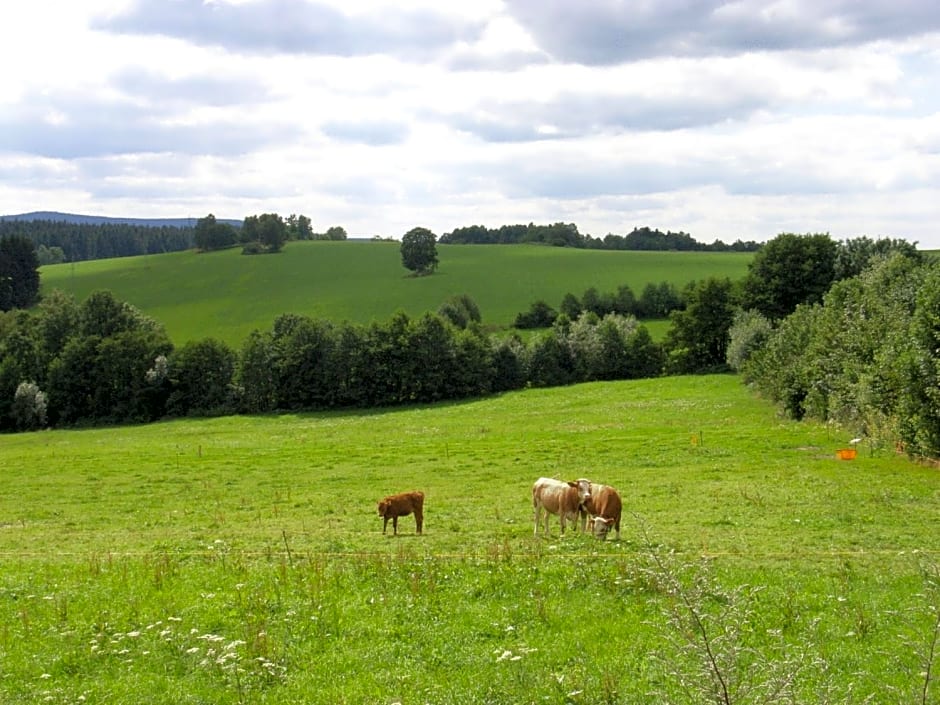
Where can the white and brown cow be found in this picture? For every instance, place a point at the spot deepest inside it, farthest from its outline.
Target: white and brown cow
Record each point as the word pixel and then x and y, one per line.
pixel 557 497
pixel 603 507
pixel 401 505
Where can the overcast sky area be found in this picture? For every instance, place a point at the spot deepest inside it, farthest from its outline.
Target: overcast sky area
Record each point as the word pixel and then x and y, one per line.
pixel 725 120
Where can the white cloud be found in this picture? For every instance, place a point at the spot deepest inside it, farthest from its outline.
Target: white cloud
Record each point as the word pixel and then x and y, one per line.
pixel 724 120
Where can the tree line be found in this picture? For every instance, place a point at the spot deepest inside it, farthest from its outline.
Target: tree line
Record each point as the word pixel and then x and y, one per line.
pixel 61 241
pixel 567 235
pixel 58 241
pixel 656 301
pixel 102 361
pixel 259 234
pixel 77 242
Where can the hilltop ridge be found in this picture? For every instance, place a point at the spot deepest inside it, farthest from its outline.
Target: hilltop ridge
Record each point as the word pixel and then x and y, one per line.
pixel 80 219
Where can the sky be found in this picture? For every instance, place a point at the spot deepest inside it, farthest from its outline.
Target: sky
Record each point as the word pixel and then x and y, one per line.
pixel 724 120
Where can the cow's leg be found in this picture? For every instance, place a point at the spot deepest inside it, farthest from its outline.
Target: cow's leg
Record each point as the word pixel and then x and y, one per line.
pixel 419 519
pixel 395 524
pixel 537 510
pixel 384 524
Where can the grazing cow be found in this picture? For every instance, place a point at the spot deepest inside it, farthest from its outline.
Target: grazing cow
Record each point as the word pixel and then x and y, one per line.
pixel 401 505
pixel 604 507
pixel 557 497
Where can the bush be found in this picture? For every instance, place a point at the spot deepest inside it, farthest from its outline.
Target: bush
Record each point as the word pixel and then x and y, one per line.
pixel 29 407
pixel 749 332
pixel 539 315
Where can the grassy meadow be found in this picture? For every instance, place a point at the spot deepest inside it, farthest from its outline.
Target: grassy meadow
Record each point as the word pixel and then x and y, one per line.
pixel 240 560
pixel 226 295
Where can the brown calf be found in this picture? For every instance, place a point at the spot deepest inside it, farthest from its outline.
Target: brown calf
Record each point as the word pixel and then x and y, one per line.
pixel 401 505
pixel 604 507
pixel 557 497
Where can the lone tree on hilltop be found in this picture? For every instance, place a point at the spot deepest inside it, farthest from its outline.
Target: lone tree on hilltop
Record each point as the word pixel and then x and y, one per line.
pixel 419 251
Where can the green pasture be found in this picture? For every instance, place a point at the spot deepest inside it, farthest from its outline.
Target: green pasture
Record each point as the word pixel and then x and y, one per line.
pixel 240 560
pixel 226 295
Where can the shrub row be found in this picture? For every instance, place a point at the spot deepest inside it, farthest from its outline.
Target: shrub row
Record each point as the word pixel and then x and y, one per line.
pixel 102 361
pixel 867 357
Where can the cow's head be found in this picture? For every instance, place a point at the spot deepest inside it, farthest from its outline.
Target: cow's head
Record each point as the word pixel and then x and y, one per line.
pixel 601 526
pixel 383 507
pixel 584 489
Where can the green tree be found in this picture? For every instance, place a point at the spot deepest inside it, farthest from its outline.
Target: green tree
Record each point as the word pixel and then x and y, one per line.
pixel 419 251
pixel 855 255
pixel 209 234
pixel 21 359
pixel 461 310
pixel 570 306
pixel 267 231
pixel 539 315
pixel 697 341
pixel 624 301
pixel 790 270
pixel 201 375
pixel 19 273
pixel 336 232
pixel 255 376
pixel 658 300
pixel 549 362
pixel 56 321
pixel 50 255
pixel 299 227
pixel 101 372
pixel 307 368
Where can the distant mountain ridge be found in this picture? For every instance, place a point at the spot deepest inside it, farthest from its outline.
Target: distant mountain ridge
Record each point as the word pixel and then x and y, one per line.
pixel 79 219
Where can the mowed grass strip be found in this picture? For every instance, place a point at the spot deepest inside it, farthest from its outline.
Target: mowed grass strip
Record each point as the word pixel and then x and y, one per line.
pixel 226 295
pixel 241 559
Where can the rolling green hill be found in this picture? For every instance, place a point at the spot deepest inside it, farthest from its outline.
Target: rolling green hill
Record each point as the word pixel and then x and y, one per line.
pixel 227 295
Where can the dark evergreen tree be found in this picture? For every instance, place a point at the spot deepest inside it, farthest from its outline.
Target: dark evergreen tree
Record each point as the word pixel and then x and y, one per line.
pixel 19 273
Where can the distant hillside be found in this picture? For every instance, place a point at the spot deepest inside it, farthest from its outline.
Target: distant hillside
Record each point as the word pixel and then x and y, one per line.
pixel 78 219
pixel 226 295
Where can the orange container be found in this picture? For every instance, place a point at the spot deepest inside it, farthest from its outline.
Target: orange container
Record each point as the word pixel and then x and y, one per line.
pixel 846 453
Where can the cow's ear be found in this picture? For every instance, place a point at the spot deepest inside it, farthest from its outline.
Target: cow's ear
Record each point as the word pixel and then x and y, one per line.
pixel 572 484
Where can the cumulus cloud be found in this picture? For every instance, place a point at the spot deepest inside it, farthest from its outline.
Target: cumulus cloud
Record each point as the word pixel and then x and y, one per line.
pixel 375 133
pixel 572 115
pixel 70 126
pixel 161 91
pixel 295 27
pixel 614 31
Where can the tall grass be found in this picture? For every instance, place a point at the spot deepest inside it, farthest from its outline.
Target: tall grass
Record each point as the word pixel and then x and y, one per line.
pixel 241 560
pixel 227 295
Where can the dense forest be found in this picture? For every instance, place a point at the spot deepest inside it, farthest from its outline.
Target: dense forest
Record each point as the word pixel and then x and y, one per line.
pixel 59 241
pixel 567 235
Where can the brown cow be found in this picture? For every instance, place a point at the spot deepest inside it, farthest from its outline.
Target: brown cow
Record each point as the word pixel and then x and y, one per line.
pixel 604 507
pixel 401 505
pixel 557 497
